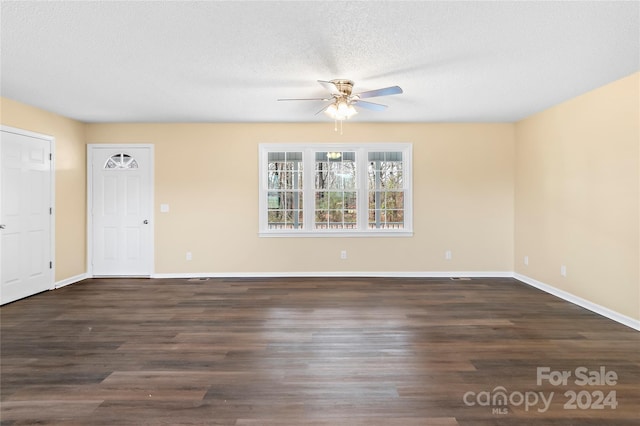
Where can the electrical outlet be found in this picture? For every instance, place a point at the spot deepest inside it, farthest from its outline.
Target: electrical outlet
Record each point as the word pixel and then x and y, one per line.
pixel 563 271
pixel 526 260
pixel 189 257
pixel 343 254
pixel 448 255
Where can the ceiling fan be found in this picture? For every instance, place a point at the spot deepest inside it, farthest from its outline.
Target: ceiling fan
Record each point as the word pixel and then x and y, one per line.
pixel 343 100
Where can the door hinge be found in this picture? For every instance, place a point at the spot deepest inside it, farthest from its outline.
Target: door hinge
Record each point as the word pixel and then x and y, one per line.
pixel 50 210
pixel 50 156
pixel 50 265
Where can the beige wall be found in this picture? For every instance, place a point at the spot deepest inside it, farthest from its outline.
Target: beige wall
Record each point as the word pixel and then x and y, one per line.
pixel 70 179
pixel 577 196
pixel 208 174
pixel 561 187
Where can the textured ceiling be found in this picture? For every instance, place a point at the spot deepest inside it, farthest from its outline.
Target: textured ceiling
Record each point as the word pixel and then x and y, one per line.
pixel 231 61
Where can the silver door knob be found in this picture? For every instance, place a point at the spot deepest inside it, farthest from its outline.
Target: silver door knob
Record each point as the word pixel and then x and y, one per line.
pixel 146 222
pixel 2 226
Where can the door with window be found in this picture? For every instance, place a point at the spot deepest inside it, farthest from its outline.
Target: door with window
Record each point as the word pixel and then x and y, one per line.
pixel 26 207
pixel 120 210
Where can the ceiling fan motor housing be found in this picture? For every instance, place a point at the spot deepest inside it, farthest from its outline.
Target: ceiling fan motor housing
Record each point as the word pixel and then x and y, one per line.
pixel 344 86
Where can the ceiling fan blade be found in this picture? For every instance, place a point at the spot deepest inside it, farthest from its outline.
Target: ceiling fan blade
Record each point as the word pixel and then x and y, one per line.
pixel 330 87
pixel 323 109
pixel 393 90
pixel 305 99
pixel 370 105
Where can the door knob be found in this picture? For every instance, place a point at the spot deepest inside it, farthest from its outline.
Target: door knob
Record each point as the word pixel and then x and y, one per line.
pixel 2 226
pixel 146 222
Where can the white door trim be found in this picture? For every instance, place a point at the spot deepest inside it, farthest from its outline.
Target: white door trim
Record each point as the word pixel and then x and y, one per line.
pixel 90 148
pixel 52 191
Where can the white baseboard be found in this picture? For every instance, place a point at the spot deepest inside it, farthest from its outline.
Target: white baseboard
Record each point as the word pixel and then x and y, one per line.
pixel 594 307
pixel 368 274
pixel 71 280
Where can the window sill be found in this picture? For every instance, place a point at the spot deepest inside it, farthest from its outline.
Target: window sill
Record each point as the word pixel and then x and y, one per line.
pixel 335 234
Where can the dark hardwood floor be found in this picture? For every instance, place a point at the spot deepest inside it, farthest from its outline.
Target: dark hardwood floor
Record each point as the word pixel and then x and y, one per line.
pixel 312 351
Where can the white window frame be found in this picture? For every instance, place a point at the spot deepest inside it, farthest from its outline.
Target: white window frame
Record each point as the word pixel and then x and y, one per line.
pixel 308 157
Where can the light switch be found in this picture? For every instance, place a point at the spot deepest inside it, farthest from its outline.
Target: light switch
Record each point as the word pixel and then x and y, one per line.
pixel 164 208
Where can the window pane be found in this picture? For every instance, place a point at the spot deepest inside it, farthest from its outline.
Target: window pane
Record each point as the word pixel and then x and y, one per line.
pixel 322 175
pixel 121 161
pixel 349 178
pixel 292 199
pixel 284 198
pixel 335 170
pixel 336 200
pixel 293 219
pixel 394 200
pixel 286 180
pixel 335 180
pixel 284 170
pixel 275 169
pixel 391 179
pixel 342 209
pixel 348 174
pixel 285 219
pixel 385 156
pixel 350 216
pixel 385 170
pixel 276 218
pixel 322 216
pixel 335 219
pixel 273 200
pixel 395 216
pixel 372 200
pixel 350 200
pixel 386 219
pixel 322 200
pixel 386 189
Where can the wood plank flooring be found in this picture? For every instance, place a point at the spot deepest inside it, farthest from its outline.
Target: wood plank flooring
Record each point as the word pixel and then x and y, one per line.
pixel 310 351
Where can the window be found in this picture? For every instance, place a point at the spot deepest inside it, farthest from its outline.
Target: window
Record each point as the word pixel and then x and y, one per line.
pixel 335 190
pixel 121 161
pixel 284 202
pixel 386 190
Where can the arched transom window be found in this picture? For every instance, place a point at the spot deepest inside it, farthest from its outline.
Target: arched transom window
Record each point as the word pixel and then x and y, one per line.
pixel 121 161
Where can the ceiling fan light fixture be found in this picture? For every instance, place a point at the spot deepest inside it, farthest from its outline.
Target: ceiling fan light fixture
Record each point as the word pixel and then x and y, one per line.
pixel 341 109
pixel 345 109
pixel 332 111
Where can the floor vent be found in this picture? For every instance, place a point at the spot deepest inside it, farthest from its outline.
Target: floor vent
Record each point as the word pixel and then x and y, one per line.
pixel 460 279
pixel 198 279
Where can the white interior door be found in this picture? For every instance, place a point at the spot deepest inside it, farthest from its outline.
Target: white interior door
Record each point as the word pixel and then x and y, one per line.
pixel 25 215
pixel 121 209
